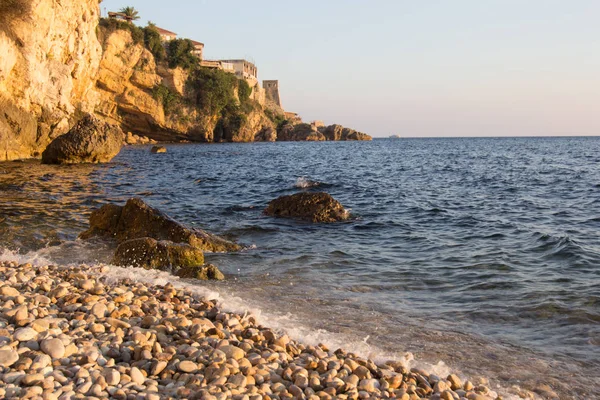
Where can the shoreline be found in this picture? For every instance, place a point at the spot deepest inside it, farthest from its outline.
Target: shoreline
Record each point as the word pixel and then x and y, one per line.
pixel 161 341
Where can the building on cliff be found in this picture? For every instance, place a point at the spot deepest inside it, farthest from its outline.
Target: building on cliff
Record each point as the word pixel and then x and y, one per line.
pixel 166 35
pixel 121 16
pixel 217 64
pixel 244 70
pixel 198 49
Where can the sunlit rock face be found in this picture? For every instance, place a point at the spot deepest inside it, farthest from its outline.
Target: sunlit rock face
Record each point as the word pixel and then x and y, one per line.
pixel 49 59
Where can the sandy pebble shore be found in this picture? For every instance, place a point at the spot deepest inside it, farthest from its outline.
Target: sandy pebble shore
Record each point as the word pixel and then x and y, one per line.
pixel 64 334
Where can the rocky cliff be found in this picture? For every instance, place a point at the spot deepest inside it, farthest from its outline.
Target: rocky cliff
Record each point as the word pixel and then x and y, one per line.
pixel 58 63
pixel 49 57
pixel 152 100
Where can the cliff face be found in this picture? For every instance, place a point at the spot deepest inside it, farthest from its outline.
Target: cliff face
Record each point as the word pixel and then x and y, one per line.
pixel 127 78
pixel 135 93
pixel 49 56
pixel 57 63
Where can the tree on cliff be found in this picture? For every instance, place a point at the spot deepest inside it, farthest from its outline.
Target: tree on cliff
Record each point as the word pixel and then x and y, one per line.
pixel 130 12
pixel 153 42
pixel 179 54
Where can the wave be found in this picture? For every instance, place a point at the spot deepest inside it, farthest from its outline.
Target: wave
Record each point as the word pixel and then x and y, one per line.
pixel 238 208
pixel 306 183
pixel 561 247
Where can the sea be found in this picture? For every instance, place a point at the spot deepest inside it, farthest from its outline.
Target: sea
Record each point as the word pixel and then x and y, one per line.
pixel 476 256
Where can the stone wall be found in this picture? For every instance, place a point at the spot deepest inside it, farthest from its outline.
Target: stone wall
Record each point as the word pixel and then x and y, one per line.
pixel 272 92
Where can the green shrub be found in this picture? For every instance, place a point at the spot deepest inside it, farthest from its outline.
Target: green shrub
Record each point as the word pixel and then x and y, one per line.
pixel 179 54
pixel 212 89
pixel 233 118
pixel 170 100
pixel 110 25
pixel 244 90
pixel 278 119
pixel 153 42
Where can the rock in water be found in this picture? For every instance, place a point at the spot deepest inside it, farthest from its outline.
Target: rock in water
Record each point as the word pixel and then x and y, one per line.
pixel 158 149
pixel 138 220
pixel 204 272
pixel 151 254
pixel 315 207
pixel 89 141
pixel 338 132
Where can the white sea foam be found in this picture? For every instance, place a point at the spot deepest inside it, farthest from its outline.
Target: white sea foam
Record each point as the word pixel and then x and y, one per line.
pixel 33 257
pixel 304 183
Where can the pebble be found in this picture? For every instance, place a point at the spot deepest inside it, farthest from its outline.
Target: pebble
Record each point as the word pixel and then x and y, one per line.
pixel 233 352
pixel 187 366
pixel 54 347
pixel 25 334
pixel 137 376
pixel 112 376
pixel 8 357
pixel 99 310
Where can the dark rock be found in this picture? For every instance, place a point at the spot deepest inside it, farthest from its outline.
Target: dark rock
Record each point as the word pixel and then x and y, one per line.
pixel 138 220
pixel 152 254
pixel 204 272
pixel 315 207
pixel 103 221
pixel 158 149
pixel 89 141
pixel 299 132
pixel 266 135
pixel 338 132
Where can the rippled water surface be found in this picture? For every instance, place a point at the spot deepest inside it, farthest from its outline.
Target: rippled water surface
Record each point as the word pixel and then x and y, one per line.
pixel 482 253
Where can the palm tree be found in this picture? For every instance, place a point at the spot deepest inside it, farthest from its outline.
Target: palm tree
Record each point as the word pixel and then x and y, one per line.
pixel 130 12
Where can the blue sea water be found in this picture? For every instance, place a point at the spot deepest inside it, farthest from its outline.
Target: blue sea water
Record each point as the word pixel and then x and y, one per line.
pixel 482 253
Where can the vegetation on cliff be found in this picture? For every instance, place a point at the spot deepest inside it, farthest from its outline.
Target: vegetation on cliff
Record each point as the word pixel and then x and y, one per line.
pixel 109 25
pixel 153 42
pixel 194 102
pixel 179 54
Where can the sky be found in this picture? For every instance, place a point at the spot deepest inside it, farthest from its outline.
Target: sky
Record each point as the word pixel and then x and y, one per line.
pixel 426 68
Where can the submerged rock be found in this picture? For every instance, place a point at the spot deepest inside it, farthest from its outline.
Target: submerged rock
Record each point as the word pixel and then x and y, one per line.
pixel 203 272
pixel 158 149
pixel 315 207
pixel 138 220
pixel 89 141
pixel 152 254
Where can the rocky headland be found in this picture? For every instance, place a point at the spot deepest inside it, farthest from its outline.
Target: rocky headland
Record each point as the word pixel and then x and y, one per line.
pixel 60 60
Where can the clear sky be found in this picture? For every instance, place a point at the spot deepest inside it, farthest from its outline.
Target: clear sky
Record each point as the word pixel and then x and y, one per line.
pixel 414 68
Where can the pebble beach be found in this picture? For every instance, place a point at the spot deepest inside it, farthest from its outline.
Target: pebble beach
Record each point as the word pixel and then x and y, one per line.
pixel 70 333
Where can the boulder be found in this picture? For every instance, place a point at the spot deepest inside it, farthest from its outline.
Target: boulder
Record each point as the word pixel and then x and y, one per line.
pixel 138 220
pixel 89 141
pixel 315 207
pixel 153 254
pixel 158 149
